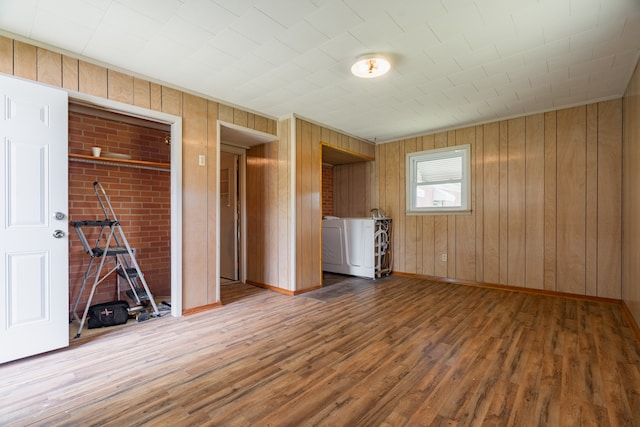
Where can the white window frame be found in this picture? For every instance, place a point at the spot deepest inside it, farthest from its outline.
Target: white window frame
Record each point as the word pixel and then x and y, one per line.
pixel 462 151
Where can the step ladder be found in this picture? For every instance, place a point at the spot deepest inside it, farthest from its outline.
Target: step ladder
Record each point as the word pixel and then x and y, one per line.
pixel 111 254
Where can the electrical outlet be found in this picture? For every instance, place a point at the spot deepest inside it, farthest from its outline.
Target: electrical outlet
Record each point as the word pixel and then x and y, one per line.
pixel 443 257
pixel 202 160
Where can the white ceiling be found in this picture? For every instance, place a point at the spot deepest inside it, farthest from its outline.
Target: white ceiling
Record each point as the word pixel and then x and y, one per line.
pixel 455 62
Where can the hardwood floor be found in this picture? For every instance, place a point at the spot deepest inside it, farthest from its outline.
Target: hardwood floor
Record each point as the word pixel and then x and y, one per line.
pixel 391 352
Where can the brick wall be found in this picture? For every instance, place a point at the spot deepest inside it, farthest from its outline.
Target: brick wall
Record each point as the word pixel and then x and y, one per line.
pixel 140 198
pixel 327 190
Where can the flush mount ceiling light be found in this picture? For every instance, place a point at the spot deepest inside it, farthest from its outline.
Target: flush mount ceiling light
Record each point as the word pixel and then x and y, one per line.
pixel 370 66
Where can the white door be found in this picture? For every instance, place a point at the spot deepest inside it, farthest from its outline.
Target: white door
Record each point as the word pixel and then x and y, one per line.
pixel 228 216
pixel 34 251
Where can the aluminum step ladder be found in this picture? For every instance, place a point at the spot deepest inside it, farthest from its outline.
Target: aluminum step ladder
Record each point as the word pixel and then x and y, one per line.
pixel 113 254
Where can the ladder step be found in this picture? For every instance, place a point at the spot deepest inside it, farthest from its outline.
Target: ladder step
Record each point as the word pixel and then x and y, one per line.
pixel 112 251
pixel 142 294
pixel 131 272
pixel 92 223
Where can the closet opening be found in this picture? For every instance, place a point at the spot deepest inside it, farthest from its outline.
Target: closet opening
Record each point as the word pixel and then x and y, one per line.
pixel 135 156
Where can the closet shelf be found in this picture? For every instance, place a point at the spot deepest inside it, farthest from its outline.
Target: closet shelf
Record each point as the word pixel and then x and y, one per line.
pixel 140 164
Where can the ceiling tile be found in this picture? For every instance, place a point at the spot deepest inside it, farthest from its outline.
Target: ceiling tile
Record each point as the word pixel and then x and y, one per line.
pixel 204 14
pixel 257 26
pixel 18 15
pixel 414 13
pixel 369 9
pixel 302 37
pixel 275 52
pixel 504 64
pixel 158 11
pixel 452 25
pixel 286 13
pixel 333 18
pixel 558 27
pixel 313 59
pixel 491 81
pixel 467 76
pixel 556 48
pixel 376 32
pixel 122 19
pixel 109 45
pixel 342 46
pixel 478 57
pixel 233 43
pixel 237 7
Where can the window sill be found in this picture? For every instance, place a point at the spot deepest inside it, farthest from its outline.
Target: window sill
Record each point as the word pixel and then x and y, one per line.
pixel 436 213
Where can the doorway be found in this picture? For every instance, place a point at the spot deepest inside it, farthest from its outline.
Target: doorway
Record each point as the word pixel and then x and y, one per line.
pixel 229 216
pixel 233 142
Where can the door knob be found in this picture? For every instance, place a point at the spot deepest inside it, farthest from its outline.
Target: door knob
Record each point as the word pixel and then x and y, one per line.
pixel 58 234
pixel 59 216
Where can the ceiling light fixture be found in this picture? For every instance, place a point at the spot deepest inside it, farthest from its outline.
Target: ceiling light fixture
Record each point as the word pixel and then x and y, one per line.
pixel 370 66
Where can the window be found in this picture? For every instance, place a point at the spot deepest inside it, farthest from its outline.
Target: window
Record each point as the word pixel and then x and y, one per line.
pixel 439 181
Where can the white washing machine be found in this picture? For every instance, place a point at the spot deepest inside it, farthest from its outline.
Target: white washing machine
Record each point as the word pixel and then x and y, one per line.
pixel 349 246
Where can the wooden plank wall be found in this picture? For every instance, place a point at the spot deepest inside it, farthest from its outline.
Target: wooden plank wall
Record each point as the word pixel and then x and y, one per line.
pixel 352 186
pixel 308 195
pixel 268 211
pixel 199 137
pixel 631 213
pixel 546 200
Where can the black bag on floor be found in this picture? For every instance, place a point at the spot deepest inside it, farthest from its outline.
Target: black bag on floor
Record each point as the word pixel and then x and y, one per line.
pixel 108 314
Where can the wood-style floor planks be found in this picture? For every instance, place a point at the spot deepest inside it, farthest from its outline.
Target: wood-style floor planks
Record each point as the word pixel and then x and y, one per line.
pixel 391 352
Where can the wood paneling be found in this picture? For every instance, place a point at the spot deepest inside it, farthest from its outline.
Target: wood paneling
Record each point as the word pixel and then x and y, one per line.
pixel 271 240
pixel 225 113
pixel 25 62
pixel 269 204
pixel 255 218
pixel 156 96
pixel 6 55
pixel 550 201
pixel 49 67
pixel 352 190
pixel 120 87
pixel 465 225
pixel 451 223
pixel 490 159
pixel 534 202
pixel 571 208
pixel 249 120
pixel 537 221
pixel 240 118
pixel 503 188
pixel 172 102
pixel 141 93
pixel 609 190
pixel 284 205
pixel 631 183
pixel 591 207
pixel 307 269
pixel 70 70
pixel 92 79
pixel 195 231
pixel 478 202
